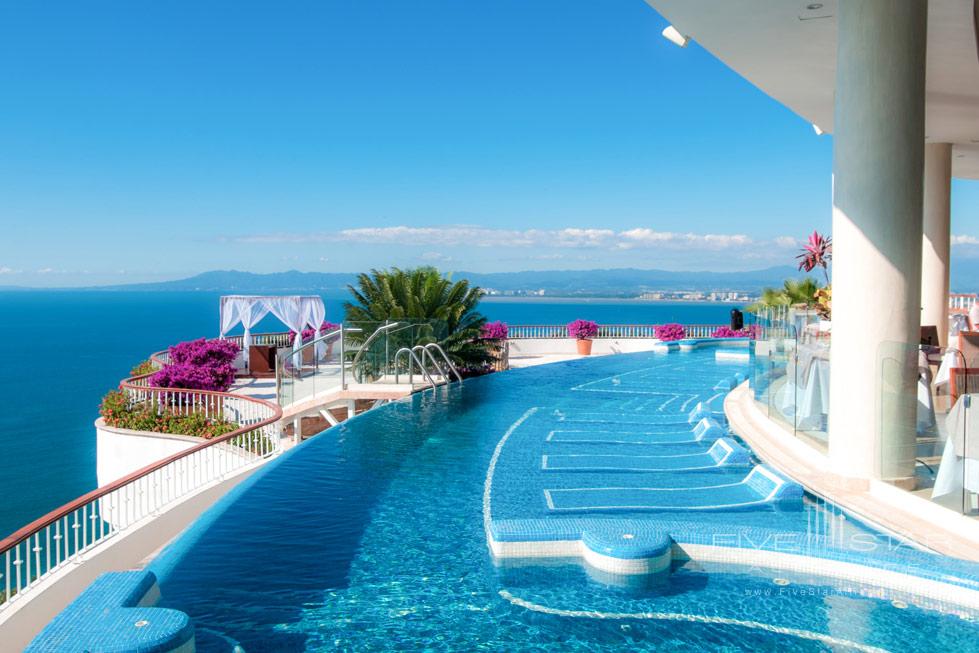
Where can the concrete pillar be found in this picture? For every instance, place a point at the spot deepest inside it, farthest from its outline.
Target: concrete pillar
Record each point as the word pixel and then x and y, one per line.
pixel 937 237
pixel 877 203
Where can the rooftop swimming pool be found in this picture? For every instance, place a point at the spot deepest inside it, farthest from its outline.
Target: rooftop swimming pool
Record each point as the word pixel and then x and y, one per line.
pixel 376 534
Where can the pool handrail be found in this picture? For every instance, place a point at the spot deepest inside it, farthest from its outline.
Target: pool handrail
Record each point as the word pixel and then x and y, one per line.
pixel 364 347
pixel 411 357
pixel 452 368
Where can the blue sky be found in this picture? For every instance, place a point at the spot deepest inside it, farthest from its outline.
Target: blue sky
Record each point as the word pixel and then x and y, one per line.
pixel 143 141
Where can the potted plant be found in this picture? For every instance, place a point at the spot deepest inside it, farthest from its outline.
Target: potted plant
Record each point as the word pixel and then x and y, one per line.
pixel 583 331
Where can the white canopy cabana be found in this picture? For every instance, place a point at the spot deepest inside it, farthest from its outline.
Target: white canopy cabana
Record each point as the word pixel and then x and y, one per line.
pixel 295 311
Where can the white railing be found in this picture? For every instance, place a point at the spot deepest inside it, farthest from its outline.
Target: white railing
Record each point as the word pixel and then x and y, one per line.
pixel 962 301
pixel 283 339
pixel 66 534
pixel 612 331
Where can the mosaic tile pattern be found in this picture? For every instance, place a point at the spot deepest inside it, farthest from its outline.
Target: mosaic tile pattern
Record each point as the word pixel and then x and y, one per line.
pixel 109 617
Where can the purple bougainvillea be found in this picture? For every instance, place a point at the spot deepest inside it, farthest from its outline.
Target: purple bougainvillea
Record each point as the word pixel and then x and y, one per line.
pixel 582 329
pixel 204 352
pixel 199 365
pixel 667 332
pixel 310 334
pixel 495 331
pixel 195 377
pixel 727 332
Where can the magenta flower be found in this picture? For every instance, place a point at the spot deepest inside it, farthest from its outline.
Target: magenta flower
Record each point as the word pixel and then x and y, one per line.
pixel 669 332
pixel 199 365
pixel 494 331
pixel 750 331
pixel 582 329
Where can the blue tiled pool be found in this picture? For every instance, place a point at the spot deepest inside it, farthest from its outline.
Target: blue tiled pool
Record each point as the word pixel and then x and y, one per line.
pixel 373 535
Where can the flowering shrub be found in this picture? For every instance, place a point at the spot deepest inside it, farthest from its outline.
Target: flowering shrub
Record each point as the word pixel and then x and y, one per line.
pixel 750 331
pixel 116 411
pixel 143 367
pixel 195 377
pixel 199 365
pixel 582 329
pixel 667 332
pixel 494 331
pixel 310 334
pixel 204 352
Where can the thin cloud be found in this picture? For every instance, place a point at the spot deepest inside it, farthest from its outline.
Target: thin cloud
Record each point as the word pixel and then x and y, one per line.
pixel 476 236
pixel 965 240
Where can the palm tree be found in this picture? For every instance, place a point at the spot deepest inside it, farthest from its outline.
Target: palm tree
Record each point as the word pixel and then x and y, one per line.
pixel 445 309
pixel 793 292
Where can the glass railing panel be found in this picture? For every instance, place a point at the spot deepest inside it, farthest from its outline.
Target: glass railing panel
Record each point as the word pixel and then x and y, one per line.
pixel 377 359
pixel 946 423
pixel 313 369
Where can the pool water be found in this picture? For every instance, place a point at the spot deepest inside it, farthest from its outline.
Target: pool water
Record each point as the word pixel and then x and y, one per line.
pixel 370 537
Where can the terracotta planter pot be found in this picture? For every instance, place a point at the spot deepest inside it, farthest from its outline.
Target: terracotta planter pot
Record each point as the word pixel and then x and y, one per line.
pixel 584 347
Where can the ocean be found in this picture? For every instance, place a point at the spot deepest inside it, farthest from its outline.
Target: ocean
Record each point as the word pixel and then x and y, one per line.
pixel 64 349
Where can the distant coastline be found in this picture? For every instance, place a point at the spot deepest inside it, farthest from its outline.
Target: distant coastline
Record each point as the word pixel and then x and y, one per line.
pixel 540 299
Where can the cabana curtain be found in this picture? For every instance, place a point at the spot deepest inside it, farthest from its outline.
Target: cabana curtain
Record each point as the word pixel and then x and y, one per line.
pixel 295 311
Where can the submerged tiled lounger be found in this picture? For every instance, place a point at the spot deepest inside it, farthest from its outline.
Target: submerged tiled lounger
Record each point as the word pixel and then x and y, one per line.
pixel 600 485
pixel 725 452
pixel 114 616
pixel 761 489
pixel 630 545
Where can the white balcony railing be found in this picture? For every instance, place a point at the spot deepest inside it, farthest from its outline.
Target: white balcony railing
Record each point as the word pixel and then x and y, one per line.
pixel 63 536
pixel 612 331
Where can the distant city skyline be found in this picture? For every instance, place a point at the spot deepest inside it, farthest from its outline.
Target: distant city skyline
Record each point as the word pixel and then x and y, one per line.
pixel 160 141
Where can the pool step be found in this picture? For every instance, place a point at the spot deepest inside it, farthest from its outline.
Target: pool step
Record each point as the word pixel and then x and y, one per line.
pixel 115 613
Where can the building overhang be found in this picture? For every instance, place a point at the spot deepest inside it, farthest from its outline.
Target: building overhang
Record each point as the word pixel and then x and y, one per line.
pixel 788 50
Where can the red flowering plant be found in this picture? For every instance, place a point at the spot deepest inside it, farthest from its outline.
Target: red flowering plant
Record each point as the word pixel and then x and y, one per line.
pixel 816 253
pixel 117 411
pixel 494 331
pixel 669 332
pixel 582 329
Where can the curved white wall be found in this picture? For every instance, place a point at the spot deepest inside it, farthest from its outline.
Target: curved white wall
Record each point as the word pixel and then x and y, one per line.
pixel 122 452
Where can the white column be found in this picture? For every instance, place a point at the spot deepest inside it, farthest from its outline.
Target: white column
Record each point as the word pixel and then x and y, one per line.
pixel 877 203
pixel 937 237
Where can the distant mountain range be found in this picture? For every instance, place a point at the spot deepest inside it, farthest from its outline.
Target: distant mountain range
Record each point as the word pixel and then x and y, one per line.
pixel 624 282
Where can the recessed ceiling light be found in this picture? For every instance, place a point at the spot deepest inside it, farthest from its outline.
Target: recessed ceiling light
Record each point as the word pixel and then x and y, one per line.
pixel 814 6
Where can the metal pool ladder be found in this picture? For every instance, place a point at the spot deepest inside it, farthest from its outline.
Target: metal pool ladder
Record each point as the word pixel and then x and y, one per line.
pixel 451 368
pixel 412 358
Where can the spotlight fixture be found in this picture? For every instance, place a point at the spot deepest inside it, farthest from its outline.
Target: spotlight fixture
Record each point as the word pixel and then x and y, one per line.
pixel 672 34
